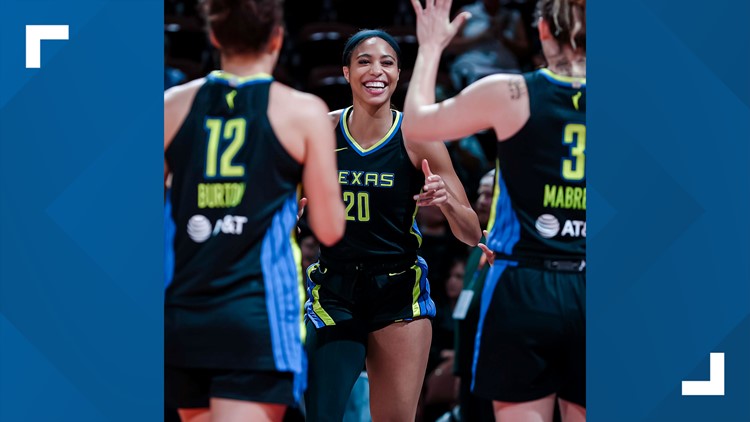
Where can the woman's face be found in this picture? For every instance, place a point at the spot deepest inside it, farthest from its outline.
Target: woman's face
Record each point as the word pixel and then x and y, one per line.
pixel 373 71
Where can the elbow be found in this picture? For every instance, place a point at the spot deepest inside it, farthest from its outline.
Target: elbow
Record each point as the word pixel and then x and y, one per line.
pixel 471 237
pixel 332 236
pixel 474 234
pixel 475 238
pixel 333 231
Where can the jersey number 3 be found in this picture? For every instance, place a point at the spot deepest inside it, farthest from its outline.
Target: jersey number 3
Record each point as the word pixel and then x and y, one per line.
pixel 232 131
pixel 574 166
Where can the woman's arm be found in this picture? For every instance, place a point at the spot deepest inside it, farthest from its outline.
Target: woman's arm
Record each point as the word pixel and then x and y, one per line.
pixel 319 176
pixel 497 101
pixel 444 189
pixel 177 104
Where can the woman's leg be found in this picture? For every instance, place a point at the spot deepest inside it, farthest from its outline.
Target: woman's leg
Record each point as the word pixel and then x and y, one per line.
pixel 540 410
pixel 572 412
pixel 336 357
pixel 195 415
pixel 228 410
pixel 396 365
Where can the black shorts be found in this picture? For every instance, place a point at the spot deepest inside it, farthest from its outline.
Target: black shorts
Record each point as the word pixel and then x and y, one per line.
pixel 531 339
pixel 187 388
pixel 377 296
pixel 257 332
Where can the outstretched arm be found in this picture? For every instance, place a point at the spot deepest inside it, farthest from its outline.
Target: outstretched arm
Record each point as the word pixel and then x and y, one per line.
pixel 492 102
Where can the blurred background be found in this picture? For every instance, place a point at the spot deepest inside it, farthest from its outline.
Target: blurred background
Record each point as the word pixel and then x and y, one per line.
pixel 500 37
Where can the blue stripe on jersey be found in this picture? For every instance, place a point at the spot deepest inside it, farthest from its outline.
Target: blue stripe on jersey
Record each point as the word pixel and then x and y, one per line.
pixel 426 304
pixel 280 276
pixel 170 229
pixel 506 230
pixel 309 312
pixel 496 271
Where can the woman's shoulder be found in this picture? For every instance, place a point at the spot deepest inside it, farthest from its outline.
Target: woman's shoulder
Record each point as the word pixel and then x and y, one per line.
pixel 297 103
pixel 335 116
pixel 182 92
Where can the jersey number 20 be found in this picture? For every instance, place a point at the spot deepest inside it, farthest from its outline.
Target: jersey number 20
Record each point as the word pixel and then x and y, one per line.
pixel 362 201
pixel 232 131
pixel 574 166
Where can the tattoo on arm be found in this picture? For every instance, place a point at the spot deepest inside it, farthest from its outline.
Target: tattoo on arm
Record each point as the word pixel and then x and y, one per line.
pixel 516 89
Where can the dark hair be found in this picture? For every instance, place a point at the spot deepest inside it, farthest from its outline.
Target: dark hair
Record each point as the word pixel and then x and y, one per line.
pixel 242 26
pixel 567 21
pixel 365 34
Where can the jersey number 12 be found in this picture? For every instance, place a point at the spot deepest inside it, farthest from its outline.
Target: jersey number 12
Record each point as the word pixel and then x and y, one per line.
pixel 220 131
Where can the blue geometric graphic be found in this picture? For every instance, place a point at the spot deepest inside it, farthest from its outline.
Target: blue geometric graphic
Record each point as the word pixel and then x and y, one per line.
pixel 80 211
pixel 669 273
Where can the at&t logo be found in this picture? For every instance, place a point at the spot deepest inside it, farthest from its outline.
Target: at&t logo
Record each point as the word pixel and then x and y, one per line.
pixel 200 229
pixel 548 226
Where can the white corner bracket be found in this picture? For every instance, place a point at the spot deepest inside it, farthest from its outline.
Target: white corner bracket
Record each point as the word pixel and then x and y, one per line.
pixel 34 36
pixel 715 384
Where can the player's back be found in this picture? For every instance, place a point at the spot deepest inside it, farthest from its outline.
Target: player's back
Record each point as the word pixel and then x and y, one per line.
pixel 233 198
pixel 539 208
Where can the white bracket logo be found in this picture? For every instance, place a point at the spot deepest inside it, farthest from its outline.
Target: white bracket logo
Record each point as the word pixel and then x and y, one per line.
pixel 34 36
pixel 715 384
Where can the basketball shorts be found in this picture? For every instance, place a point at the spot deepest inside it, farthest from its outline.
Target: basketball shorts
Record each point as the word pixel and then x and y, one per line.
pixel 531 337
pixel 187 388
pixel 375 295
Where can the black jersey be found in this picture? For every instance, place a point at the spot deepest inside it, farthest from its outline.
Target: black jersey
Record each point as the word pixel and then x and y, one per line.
pixel 539 205
pixel 378 185
pixel 232 206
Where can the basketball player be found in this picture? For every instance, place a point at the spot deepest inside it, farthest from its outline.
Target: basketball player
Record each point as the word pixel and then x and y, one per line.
pixel 369 295
pixel 237 144
pixel 530 344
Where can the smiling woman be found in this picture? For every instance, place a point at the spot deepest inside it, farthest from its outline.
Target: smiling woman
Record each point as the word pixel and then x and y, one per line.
pixel 369 295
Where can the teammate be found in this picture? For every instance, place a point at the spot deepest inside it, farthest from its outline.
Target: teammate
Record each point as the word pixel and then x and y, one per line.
pixel 237 144
pixel 369 295
pixel 530 344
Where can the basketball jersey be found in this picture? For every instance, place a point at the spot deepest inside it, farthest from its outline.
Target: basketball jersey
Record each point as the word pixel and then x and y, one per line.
pixel 232 206
pixel 539 203
pixel 378 185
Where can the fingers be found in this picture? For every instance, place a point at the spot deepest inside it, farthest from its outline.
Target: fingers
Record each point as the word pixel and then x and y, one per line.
pixel 433 191
pixel 460 20
pixel 489 254
pixel 426 168
pixel 433 183
pixel 430 198
pixel 417 7
pixel 301 207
